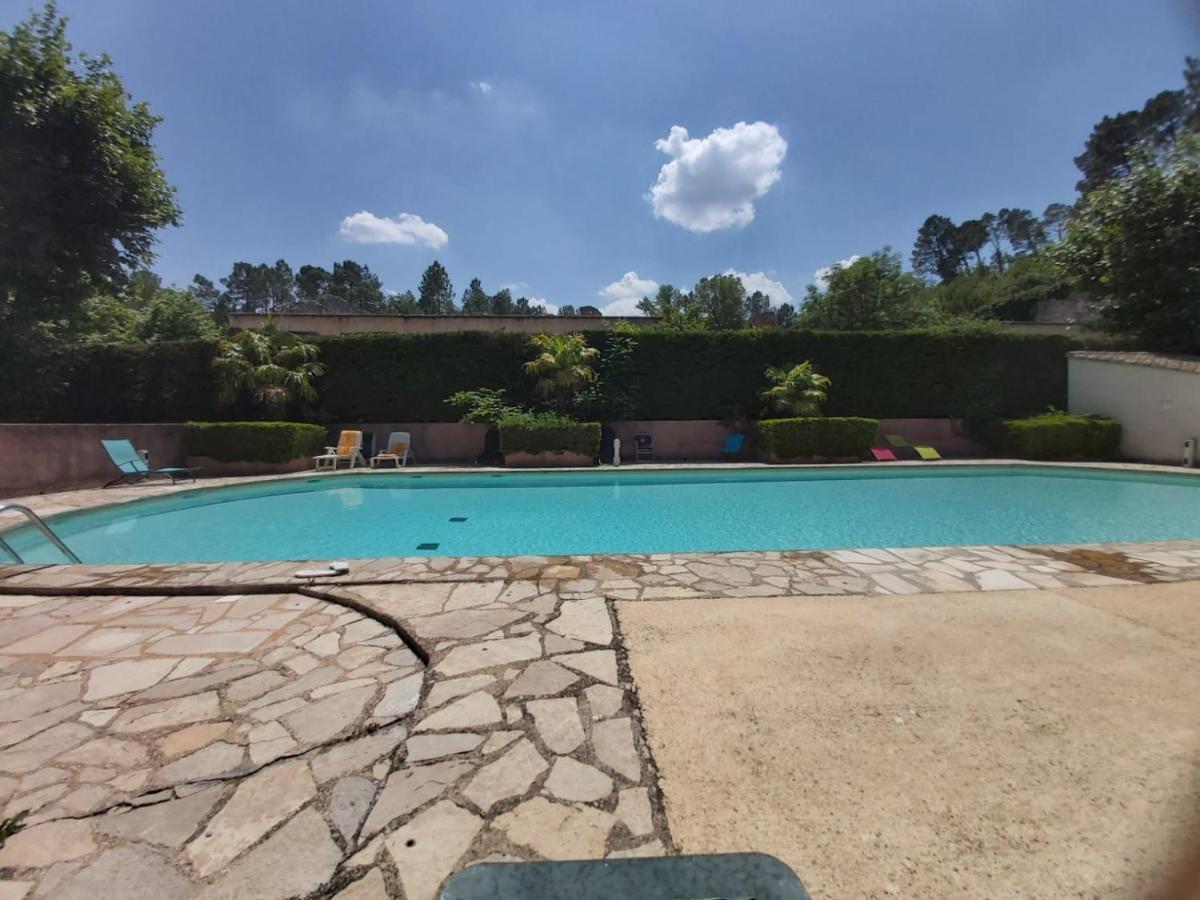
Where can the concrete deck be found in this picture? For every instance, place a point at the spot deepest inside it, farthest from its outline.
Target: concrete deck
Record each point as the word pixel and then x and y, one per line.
pixel 1018 744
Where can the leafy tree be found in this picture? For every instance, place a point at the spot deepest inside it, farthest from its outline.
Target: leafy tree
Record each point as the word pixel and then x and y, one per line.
pixel 485 406
pixel 564 364
pixel 105 320
pixel 205 293
pixel 938 251
pixel 357 285
pixel 269 367
pixel 873 292
pixel 475 301
pixel 722 301
pixel 785 316
pixel 1112 147
pixel 176 316
pixel 81 190
pixel 436 293
pixel 997 238
pixel 567 310
pixel 1134 244
pixel 613 393
pixel 798 390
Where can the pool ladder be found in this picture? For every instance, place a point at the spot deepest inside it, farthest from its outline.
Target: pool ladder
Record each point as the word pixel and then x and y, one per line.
pixel 41 526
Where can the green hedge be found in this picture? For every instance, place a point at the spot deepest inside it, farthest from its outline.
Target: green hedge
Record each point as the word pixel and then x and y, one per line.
pixel 715 375
pixel 548 434
pixel 817 437
pixel 407 377
pixel 274 442
pixel 1058 435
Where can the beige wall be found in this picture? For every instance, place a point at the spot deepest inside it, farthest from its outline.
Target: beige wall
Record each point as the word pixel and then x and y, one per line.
pixel 432 442
pixel 1158 408
pixel 35 459
pixel 332 324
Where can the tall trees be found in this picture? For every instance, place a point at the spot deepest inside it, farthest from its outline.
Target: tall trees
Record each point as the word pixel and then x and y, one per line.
pixel 475 301
pixel 1134 244
pixel 1111 147
pixel 357 285
pixel 722 301
pixel 82 190
pixel 436 295
pixel 938 251
pixel 260 288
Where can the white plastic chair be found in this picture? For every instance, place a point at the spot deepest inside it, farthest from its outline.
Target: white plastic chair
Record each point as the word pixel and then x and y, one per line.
pixel 397 450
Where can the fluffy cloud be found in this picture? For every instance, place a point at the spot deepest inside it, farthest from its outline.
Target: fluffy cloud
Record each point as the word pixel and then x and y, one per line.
pixel 712 183
pixel 760 281
pixel 484 87
pixel 821 276
pixel 622 296
pixel 551 308
pixel 368 228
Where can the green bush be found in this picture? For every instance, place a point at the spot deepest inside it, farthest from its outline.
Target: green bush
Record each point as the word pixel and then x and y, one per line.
pixel 1059 435
pixel 548 433
pixel 817 437
pixel 271 442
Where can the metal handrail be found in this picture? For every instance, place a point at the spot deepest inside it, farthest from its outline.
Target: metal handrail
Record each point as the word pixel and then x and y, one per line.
pixel 40 526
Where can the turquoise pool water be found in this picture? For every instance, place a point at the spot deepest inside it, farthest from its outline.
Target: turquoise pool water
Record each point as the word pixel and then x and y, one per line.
pixel 608 511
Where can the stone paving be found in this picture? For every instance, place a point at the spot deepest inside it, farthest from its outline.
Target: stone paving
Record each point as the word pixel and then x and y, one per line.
pixel 897 570
pixel 277 745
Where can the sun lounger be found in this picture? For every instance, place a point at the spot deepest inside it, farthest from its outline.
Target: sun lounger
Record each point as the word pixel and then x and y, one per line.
pixel 398 450
pixel 134 469
pixel 921 451
pixel 349 448
pixel 883 454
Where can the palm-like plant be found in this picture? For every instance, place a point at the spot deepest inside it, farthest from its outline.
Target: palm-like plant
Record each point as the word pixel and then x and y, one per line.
pixel 563 365
pixel 273 367
pixel 798 391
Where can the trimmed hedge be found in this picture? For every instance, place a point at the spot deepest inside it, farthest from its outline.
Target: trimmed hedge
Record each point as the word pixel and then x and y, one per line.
pixel 534 433
pixel 817 437
pixel 1058 435
pixel 272 442
pixel 713 375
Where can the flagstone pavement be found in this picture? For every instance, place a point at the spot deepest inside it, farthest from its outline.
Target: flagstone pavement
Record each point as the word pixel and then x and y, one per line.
pixel 283 744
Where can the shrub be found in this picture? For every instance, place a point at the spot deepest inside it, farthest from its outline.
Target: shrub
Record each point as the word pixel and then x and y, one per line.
pixel 548 433
pixel 271 442
pixel 1059 435
pixel 817 437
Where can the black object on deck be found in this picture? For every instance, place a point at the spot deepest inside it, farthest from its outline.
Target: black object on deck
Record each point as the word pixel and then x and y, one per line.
pixel 729 876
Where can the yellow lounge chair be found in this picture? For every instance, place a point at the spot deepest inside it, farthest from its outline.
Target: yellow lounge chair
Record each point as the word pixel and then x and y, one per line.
pixel 349 448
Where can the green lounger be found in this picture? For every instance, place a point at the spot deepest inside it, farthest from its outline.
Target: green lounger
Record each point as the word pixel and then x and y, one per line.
pixel 134 469
pixel 924 451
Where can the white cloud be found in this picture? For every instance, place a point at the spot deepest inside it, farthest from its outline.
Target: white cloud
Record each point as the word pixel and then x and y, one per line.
pixel 484 87
pixel 712 183
pixel 622 296
pixel 760 281
pixel 551 308
pixel 821 276
pixel 368 228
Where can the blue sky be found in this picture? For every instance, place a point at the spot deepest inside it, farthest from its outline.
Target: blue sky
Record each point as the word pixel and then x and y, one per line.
pixel 525 142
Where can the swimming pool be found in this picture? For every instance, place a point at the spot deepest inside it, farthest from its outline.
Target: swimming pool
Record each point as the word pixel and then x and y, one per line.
pixel 632 511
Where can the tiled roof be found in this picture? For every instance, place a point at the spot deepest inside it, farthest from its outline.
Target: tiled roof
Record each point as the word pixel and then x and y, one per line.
pixel 1175 361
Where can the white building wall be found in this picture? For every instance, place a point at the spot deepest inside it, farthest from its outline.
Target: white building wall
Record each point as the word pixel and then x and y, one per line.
pixel 1158 408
